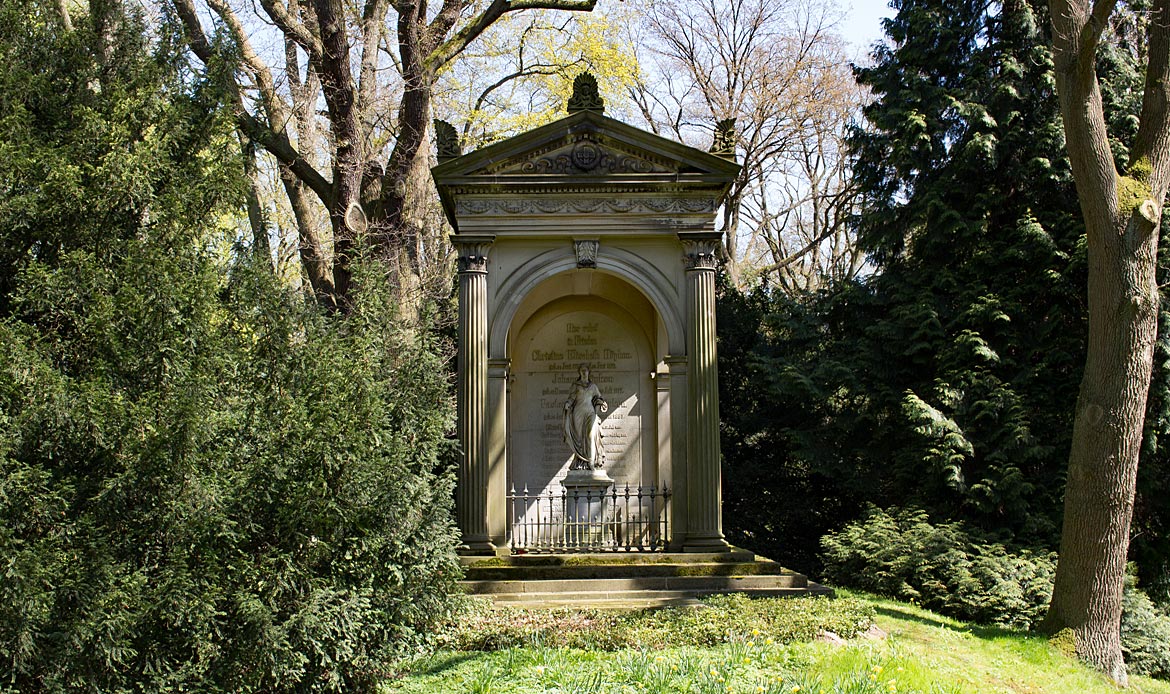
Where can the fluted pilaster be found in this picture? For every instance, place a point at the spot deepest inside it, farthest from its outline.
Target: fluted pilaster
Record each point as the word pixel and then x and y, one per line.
pixel 704 488
pixel 471 394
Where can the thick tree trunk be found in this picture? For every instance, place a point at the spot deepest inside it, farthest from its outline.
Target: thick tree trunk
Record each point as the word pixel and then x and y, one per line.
pixel 1107 436
pixel 346 214
pixel 1121 220
pixel 387 208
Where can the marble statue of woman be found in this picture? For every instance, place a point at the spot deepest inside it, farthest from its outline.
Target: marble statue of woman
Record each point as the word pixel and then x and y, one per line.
pixel 583 412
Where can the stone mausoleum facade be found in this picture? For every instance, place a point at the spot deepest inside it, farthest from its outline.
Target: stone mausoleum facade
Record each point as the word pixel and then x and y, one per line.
pixel 586 242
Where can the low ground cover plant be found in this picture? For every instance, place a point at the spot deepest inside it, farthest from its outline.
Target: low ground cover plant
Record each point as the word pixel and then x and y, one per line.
pixel 914 651
pixel 722 617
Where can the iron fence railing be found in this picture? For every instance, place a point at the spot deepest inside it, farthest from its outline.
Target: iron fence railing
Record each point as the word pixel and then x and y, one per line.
pixel 627 519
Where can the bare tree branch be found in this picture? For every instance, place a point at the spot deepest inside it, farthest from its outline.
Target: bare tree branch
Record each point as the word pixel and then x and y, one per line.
pixel 279 146
pixel 441 55
pixel 292 28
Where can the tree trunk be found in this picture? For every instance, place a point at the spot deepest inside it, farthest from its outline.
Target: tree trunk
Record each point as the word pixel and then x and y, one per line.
pixel 1107 436
pixel 346 214
pixel 1121 221
pixel 315 257
pixel 387 208
pixel 257 215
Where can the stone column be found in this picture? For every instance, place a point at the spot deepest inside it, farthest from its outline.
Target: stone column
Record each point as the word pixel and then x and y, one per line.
pixel 499 383
pixel 704 491
pixel 471 394
pixel 677 425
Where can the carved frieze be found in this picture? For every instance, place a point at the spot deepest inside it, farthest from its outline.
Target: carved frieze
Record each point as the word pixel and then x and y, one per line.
pixel 512 206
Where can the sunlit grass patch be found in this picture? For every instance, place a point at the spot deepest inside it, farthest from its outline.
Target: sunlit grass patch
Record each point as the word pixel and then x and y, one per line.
pixel 922 654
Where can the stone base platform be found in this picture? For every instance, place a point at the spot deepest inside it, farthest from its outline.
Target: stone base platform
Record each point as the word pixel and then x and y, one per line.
pixel 629 580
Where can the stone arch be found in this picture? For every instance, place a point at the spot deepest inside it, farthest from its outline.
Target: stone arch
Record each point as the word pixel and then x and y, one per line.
pixel 655 286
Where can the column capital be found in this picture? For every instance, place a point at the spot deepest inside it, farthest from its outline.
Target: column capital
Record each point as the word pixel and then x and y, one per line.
pixel 472 251
pixel 701 249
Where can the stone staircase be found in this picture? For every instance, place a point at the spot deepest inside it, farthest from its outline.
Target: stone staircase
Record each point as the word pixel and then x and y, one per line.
pixel 629 580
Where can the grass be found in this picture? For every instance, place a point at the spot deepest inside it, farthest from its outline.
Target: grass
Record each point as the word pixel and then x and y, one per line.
pixel 760 652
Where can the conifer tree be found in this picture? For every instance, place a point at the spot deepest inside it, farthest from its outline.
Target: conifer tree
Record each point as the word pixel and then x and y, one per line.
pixel 941 379
pixel 205 484
pixel 976 314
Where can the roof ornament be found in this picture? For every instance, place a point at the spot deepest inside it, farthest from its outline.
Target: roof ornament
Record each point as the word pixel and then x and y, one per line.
pixel 446 141
pixel 725 139
pixel 585 97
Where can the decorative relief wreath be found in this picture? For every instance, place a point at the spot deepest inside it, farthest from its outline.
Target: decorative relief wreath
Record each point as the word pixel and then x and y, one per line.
pixel 586 156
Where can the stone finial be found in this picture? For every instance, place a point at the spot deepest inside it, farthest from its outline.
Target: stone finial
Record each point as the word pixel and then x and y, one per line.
pixel 446 141
pixel 585 95
pixel 725 139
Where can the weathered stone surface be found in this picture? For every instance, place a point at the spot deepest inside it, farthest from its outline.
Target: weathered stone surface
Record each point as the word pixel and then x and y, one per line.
pixel 545 371
pixel 600 254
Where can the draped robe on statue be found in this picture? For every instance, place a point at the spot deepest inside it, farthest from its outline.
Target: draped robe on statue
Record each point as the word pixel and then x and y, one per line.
pixel 583 411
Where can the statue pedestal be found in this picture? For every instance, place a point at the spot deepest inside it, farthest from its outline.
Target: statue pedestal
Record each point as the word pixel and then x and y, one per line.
pixel 585 492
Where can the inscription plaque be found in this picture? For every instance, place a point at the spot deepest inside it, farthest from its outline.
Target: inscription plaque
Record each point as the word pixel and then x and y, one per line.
pixel 545 369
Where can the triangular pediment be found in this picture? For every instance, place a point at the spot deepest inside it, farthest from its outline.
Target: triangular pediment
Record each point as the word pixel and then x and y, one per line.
pixel 587 153
pixel 585 144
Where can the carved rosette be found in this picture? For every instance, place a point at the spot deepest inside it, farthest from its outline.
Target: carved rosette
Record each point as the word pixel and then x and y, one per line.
pixel 701 254
pixel 473 252
pixel 586 252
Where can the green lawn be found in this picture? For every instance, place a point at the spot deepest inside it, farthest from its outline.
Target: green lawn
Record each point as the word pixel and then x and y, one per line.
pixel 922 652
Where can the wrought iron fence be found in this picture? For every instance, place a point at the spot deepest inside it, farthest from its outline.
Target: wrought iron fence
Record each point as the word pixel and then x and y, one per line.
pixel 629 519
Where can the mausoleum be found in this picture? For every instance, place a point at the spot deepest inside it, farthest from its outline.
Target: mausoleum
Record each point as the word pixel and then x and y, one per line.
pixel 588 393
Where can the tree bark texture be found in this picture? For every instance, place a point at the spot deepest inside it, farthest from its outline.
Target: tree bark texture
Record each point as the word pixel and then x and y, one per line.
pixel 1121 214
pixel 365 199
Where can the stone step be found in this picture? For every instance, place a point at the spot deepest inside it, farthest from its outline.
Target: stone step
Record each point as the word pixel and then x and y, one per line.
pixel 760 567
pixel 709 584
pixel 628 580
pixel 636 598
pixel 732 555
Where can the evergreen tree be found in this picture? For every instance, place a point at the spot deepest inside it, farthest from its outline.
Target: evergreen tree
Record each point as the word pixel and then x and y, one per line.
pixel 205 484
pixel 970 219
pixel 942 379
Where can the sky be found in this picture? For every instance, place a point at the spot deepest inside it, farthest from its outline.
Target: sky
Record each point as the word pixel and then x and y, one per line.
pixel 862 25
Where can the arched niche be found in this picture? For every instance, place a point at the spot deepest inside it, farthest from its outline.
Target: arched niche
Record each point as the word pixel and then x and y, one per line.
pixel 619 274
pixel 573 318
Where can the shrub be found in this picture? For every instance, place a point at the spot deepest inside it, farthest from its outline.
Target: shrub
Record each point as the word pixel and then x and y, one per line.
pixel 205 484
pixel 1145 633
pixel 261 508
pixel 944 567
